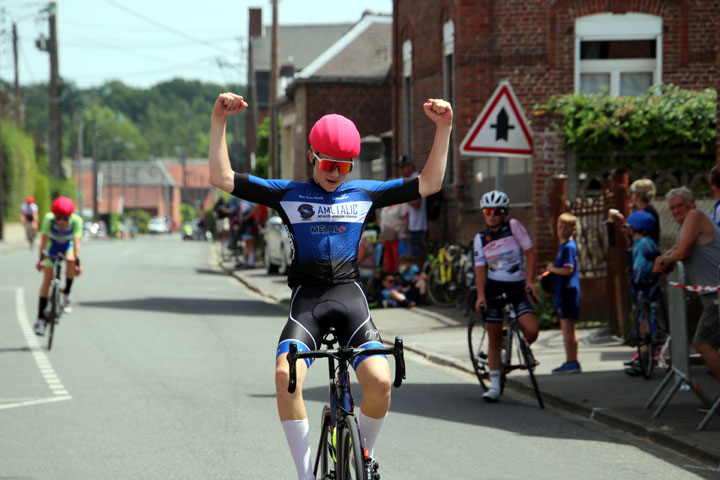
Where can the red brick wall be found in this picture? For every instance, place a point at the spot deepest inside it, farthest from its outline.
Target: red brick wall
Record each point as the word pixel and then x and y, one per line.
pixel 530 43
pixel 366 105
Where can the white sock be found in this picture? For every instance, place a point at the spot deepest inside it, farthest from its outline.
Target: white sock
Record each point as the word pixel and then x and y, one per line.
pixel 370 429
pixel 297 433
pixel 495 379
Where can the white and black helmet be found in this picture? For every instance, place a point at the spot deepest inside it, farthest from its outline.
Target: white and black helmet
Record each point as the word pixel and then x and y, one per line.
pixel 495 199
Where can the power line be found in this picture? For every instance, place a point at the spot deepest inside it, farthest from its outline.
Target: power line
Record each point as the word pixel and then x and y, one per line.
pixel 165 27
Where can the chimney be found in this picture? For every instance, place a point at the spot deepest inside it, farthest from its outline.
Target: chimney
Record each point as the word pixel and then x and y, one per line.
pixel 255 27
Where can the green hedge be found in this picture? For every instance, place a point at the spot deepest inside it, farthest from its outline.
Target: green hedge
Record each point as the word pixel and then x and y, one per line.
pixel 667 118
pixel 20 169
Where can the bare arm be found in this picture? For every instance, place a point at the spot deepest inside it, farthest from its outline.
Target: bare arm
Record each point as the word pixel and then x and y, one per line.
pixel 530 270
pixel 43 244
pixel 431 178
pixel 564 271
pixel 221 173
pixel 480 284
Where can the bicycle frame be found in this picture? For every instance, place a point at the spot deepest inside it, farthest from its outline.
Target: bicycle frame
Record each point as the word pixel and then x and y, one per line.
pixel 54 310
pixel 479 349
pixel 341 403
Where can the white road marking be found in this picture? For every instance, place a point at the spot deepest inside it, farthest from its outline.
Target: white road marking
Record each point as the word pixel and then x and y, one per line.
pixel 52 379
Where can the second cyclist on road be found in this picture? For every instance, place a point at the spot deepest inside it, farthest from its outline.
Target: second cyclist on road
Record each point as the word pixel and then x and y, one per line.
pixel 504 263
pixel 61 232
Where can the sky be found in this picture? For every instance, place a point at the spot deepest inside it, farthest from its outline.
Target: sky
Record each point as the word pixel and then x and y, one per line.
pixel 144 42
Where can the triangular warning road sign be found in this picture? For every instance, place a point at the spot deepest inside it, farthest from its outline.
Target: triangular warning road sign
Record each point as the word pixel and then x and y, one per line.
pixel 501 129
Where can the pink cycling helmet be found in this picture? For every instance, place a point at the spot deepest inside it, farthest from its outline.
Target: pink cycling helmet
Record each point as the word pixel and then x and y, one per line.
pixel 63 207
pixel 30 200
pixel 336 136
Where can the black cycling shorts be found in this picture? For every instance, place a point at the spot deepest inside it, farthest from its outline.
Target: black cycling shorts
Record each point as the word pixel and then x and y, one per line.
pixel 314 309
pixel 518 298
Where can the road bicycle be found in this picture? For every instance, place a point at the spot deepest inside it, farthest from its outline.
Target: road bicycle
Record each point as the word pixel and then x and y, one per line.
pixel 341 453
pixel 443 276
pixel 233 248
pixel 646 314
pixel 55 306
pixel 513 341
pixel 30 233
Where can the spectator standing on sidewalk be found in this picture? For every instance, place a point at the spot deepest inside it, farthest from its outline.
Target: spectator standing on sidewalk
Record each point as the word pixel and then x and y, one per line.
pixel 393 222
pixel 644 284
pixel 566 291
pixel 698 245
pixel 417 214
pixel 642 194
pixel 715 187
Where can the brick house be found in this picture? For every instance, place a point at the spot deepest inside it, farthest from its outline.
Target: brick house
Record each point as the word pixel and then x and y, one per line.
pixel 298 45
pixel 157 186
pixel 350 78
pixel 461 49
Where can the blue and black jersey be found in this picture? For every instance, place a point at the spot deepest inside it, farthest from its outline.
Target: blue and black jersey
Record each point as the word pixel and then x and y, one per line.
pixel 324 227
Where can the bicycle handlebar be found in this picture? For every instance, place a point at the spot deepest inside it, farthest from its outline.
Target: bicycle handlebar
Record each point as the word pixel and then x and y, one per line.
pixel 57 256
pixel 345 354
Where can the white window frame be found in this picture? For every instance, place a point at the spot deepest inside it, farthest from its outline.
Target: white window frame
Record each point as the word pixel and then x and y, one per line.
pixel 407 97
pixel 611 27
pixel 449 87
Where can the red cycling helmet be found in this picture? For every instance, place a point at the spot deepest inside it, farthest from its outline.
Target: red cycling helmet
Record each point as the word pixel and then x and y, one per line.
pixel 336 136
pixel 30 200
pixel 63 207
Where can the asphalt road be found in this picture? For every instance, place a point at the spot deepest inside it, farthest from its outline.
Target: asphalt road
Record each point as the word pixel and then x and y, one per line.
pixel 165 370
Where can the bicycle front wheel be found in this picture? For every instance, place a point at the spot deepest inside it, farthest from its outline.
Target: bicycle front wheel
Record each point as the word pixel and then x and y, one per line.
pixel 325 459
pixel 529 361
pixel 54 313
pixel 442 287
pixel 478 343
pixel 350 462
pixel 645 355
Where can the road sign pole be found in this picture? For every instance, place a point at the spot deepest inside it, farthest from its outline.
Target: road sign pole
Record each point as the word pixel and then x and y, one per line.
pixel 501 174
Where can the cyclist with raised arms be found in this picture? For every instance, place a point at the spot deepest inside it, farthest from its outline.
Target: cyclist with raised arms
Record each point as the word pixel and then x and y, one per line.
pixel 504 263
pixel 324 218
pixel 61 232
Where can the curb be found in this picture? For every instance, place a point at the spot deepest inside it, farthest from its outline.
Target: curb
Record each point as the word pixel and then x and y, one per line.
pixel 605 416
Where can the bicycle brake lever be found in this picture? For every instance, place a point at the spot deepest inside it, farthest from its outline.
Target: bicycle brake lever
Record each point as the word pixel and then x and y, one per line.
pixel 292 358
pixel 399 355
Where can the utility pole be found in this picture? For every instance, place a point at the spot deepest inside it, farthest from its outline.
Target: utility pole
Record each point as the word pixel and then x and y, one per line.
pixel 16 85
pixel 273 168
pixel 55 122
pixel 95 168
pixel 2 177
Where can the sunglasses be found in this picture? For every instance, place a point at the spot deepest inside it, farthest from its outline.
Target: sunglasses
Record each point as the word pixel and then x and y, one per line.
pixel 491 212
pixel 344 166
pixel 62 219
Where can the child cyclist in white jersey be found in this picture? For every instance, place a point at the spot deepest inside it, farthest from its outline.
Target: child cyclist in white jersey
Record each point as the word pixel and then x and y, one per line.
pixel 504 263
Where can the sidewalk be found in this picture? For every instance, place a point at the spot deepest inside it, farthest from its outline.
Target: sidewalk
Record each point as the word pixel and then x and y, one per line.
pixel 13 238
pixel 602 392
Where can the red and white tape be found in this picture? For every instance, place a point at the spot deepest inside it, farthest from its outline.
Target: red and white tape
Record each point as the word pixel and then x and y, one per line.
pixel 696 288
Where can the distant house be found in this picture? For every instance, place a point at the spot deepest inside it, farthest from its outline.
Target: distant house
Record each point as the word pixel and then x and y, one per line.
pixel 298 46
pixel 157 186
pixel 350 78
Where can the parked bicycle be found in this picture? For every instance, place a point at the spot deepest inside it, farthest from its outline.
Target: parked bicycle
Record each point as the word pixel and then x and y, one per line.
pixel 55 306
pixel 443 276
pixel 341 454
pixel 233 248
pixel 513 336
pixel 646 330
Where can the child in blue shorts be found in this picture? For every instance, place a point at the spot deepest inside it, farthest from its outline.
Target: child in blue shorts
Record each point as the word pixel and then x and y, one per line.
pixel 566 291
